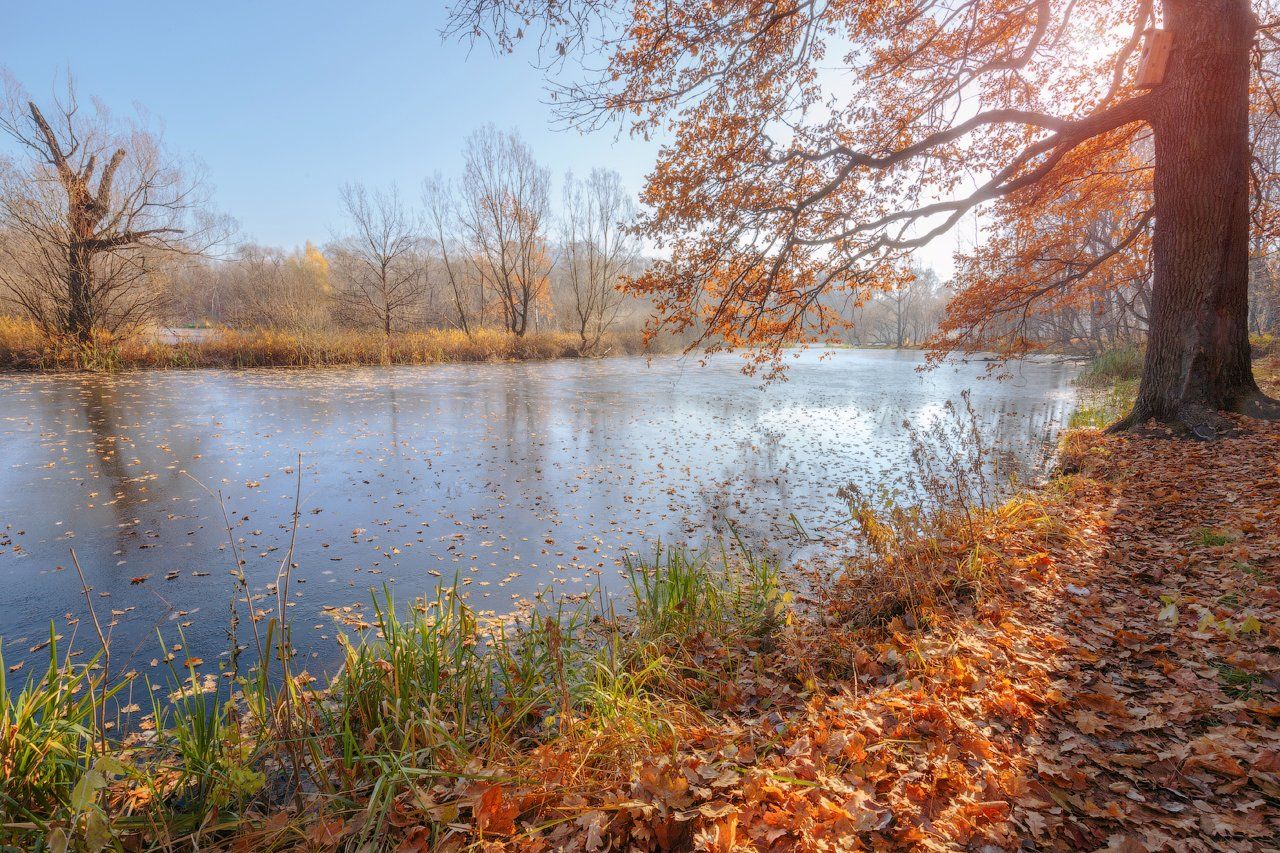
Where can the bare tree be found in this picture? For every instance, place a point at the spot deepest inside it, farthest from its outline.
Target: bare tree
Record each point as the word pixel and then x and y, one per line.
pixel 1264 238
pixel 900 301
pixel 376 268
pixel 442 216
pixel 1264 295
pixel 505 207
pixel 88 212
pixel 597 250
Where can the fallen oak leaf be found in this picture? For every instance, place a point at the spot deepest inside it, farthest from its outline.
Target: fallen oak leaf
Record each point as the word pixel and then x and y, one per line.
pixel 494 814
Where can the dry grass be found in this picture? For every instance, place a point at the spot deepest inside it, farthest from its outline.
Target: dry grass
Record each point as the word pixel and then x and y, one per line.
pixel 23 346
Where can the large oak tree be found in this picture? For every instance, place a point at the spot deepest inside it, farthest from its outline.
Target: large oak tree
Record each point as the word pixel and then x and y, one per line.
pixel 815 144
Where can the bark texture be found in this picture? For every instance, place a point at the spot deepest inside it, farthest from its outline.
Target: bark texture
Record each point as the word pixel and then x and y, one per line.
pixel 1198 355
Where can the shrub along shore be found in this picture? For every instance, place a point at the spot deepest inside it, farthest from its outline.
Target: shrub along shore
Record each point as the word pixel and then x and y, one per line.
pixel 1091 663
pixel 24 347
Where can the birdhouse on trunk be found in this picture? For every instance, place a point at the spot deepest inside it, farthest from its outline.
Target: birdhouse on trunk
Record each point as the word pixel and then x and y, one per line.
pixel 1155 58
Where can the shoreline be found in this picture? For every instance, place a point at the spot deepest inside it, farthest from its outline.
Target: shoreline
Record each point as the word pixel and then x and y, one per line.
pixel 23 349
pixel 408 351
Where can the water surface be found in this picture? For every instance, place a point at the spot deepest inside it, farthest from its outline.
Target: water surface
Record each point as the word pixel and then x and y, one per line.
pixel 511 477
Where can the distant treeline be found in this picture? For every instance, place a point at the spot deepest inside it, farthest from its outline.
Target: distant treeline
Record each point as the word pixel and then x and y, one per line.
pixel 103 233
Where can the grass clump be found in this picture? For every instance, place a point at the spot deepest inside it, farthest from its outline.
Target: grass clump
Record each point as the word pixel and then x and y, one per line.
pixel 435 713
pixel 1112 366
pixel 1238 683
pixel 1109 385
pixel 1211 538
pixel 1265 345
pixel 679 595
pixel 47 736
pixel 1103 404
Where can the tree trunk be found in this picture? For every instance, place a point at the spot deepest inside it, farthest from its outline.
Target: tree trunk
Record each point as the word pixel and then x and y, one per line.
pixel 79 321
pixel 519 320
pixel 1197 359
pixel 462 309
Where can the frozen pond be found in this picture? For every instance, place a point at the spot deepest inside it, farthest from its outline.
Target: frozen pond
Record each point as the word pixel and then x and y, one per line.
pixel 511 477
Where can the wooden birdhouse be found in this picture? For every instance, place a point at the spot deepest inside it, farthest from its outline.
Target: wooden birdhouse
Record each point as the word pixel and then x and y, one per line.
pixel 1155 58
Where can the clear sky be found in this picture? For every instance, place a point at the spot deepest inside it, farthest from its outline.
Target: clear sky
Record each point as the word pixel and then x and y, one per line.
pixel 283 101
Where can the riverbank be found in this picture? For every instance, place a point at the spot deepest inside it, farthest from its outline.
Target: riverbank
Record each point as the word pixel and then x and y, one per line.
pixel 1090 664
pixel 24 347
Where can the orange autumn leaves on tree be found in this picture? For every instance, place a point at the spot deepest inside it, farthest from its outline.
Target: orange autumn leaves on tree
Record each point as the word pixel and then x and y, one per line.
pixel 1066 243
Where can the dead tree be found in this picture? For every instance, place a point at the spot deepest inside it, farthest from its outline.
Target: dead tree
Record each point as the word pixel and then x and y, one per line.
pixel 88 213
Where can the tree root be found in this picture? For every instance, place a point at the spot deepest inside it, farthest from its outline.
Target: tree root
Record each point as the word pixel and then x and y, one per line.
pixel 1260 406
pixel 1192 420
pixel 1201 422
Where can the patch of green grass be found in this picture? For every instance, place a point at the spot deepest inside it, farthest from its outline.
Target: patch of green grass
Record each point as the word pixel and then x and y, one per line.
pixel 678 593
pixel 47 736
pixel 1237 683
pixel 1109 385
pixel 1118 365
pixel 1265 344
pixel 1089 417
pixel 1211 538
pixel 1249 569
pixel 1102 405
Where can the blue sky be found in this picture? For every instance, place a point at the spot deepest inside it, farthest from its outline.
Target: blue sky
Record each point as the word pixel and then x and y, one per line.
pixel 285 101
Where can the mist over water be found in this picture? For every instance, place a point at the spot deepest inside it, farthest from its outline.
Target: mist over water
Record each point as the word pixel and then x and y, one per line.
pixel 510 477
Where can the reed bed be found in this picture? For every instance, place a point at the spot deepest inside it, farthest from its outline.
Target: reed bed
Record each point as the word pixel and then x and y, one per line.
pixel 23 346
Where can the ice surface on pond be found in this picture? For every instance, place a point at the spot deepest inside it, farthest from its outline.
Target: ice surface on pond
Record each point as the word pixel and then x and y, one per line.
pixel 511 477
